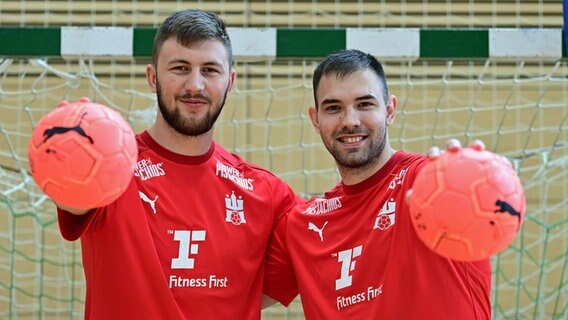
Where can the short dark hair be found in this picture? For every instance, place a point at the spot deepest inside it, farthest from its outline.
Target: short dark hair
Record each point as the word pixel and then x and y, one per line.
pixel 192 26
pixel 346 62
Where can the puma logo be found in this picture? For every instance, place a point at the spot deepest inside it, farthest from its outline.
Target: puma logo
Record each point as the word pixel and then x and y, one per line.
pixel 48 133
pixel 504 207
pixel 151 202
pixel 315 228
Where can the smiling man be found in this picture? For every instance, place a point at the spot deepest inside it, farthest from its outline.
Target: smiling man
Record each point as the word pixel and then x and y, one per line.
pixel 353 253
pixel 188 238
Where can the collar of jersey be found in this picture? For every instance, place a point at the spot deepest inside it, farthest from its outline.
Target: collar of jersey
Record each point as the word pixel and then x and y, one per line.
pixel 175 157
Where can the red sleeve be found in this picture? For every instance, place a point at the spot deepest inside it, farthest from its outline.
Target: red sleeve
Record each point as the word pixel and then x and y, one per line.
pixel 421 164
pixel 72 226
pixel 284 198
pixel 279 281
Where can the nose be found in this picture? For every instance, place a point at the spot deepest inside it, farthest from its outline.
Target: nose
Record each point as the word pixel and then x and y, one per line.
pixel 351 118
pixel 194 82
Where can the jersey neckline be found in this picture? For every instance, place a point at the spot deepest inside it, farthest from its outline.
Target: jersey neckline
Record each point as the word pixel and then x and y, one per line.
pixel 175 157
pixel 375 178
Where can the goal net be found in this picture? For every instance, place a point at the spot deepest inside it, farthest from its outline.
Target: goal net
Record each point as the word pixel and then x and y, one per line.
pixel 510 96
pixel 519 108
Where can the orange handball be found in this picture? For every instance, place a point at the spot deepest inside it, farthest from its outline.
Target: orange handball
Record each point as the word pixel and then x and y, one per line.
pixel 467 205
pixel 82 154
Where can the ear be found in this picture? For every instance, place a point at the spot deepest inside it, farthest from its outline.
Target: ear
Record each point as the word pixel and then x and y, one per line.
pixel 313 113
pixel 232 76
pixel 151 77
pixel 391 109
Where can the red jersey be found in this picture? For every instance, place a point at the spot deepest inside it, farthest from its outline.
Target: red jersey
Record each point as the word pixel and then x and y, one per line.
pixel 187 240
pixel 353 254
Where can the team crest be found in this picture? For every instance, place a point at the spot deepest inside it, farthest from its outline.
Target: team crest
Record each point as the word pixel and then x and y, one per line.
pixel 234 213
pixel 386 217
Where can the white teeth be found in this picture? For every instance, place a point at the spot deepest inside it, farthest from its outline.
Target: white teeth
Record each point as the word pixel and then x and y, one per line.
pixel 352 139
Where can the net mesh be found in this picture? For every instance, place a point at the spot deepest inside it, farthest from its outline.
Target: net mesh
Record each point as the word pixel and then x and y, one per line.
pixel 517 107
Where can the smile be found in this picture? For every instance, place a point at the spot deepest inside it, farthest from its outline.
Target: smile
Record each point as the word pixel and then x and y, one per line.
pixel 351 139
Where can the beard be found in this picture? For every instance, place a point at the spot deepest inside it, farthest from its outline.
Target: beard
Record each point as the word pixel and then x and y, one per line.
pixel 360 158
pixel 190 126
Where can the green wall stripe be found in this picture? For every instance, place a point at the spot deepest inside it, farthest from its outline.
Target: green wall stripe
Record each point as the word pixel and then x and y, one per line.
pixel 30 41
pixel 309 42
pixel 143 42
pixel 290 43
pixel 454 43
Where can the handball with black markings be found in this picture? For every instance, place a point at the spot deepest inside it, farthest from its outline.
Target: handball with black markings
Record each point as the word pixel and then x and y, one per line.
pixel 468 204
pixel 82 154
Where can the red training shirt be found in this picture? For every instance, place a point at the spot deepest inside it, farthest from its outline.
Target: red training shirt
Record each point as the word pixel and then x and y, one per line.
pixel 354 254
pixel 187 240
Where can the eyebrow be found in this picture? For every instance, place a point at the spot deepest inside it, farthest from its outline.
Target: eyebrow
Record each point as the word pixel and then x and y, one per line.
pixel 329 101
pixel 364 97
pixel 175 61
pixel 208 63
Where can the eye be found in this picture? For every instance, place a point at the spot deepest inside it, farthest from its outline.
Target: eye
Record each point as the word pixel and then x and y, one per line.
pixel 366 105
pixel 211 70
pixel 180 68
pixel 331 108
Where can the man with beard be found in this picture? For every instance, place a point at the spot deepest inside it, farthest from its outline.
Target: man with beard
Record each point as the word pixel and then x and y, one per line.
pixel 353 253
pixel 187 239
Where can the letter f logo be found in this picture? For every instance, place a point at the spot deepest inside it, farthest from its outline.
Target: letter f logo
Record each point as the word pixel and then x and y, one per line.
pixel 347 265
